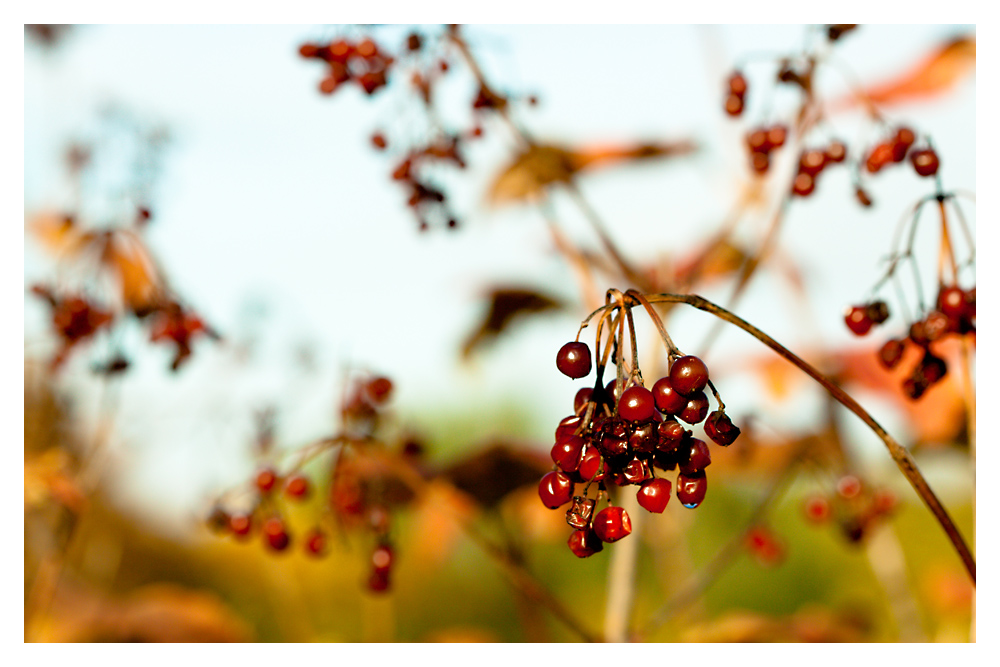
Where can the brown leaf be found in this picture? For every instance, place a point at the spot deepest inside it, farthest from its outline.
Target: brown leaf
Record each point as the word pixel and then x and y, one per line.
pixel 542 165
pixel 495 471
pixel 936 74
pixel 506 306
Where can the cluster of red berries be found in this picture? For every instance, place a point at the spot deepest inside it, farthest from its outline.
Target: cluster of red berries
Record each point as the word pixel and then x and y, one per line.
pixel 74 319
pixel 179 326
pixel 362 62
pixel 890 151
pixel 736 93
pixel 761 142
pixel 623 439
pixel 812 162
pixel 954 313
pixel 855 507
pixel 424 198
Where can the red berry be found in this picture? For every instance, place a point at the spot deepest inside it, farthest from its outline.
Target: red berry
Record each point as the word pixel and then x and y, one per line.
pixel 241 524
pixel 925 161
pixel 667 399
pixel 578 516
pixel 378 140
pixel 309 50
pixel 817 509
pixel 567 454
pixel 671 435
pixel 612 524
pixel 584 543
pixel 555 489
pixel 297 487
pixel 573 360
pixel 757 141
pixel 695 410
pixel 812 162
pixel 567 428
pixel 836 152
pixel 858 321
pixel 315 542
pixel 688 375
pixel 734 105
pixel 879 156
pixel 862 196
pixel 951 301
pixel 891 353
pixel 378 582
pixel 760 162
pixel 691 488
pixel 275 534
pixel 590 465
pixel 848 486
pixel 901 143
pixel 377 390
pixel 382 559
pixel 636 471
pixel 720 428
pixel 581 399
pixel 694 456
pixel 803 185
pixel 883 501
pixel 776 136
pixel 654 494
pixel 737 84
pixel 644 438
pixel 636 404
pixel 266 480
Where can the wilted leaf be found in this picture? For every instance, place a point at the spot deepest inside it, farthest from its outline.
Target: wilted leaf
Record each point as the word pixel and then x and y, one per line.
pixel 126 256
pixel 542 165
pixel 935 75
pixel 507 305
pixel 492 473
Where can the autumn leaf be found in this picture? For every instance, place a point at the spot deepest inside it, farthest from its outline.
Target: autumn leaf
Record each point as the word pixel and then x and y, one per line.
pixel 492 473
pixel 934 75
pixel 542 165
pixel 59 234
pixel 127 258
pixel 506 305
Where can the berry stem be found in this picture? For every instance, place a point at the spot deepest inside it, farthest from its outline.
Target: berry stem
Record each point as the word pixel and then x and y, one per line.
pixel 621 578
pixel 898 453
pixel 946 256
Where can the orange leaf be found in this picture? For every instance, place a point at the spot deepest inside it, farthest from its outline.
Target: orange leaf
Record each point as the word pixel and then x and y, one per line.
pixel 59 234
pixel 935 75
pixel 126 256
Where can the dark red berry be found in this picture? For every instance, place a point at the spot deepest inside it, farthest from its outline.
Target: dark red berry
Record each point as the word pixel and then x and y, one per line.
pixel 812 162
pixel 862 197
pixel 803 185
pixel 636 404
pixel 760 162
pixel 914 387
pixel 241 524
pixel 297 487
pixel 932 368
pixel 578 516
pixel 567 454
pixel 573 360
pixel 721 429
pixel 379 141
pixel 654 494
pixel 877 311
pixel 901 143
pixel 757 141
pixel 891 353
pixel 584 543
pixel 567 428
pixel 688 375
pixel 691 489
pixel 590 465
pixel 413 42
pixel 737 84
pixel 776 136
pixel 266 480
pixel 925 161
pixel 734 105
pixel 694 456
pixel 644 438
pixel 555 489
pixel 275 534
pixel 858 321
pixel 378 582
pixel 612 524
pixel 378 390
pixel 695 410
pixel 668 400
pixel 581 399
pixel 309 50
pixel 671 435
pixel 315 542
pixel 636 471
pixel 937 324
pixel 951 301
pixel 836 152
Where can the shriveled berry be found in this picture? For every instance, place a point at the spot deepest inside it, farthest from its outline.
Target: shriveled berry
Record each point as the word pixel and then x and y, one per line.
pixel 891 353
pixel 636 404
pixel 688 375
pixel 654 494
pixel 567 454
pixel 266 480
pixel 584 543
pixel 667 399
pixel 578 516
pixel 858 320
pixel 925 161
pixel 721 429
pixel 612 524
pixel 636 471
pixel 644 438
pixel 573 359
pixel 297 487
pixel 695 410
pixel 555 489
pixel 671 434
pixel 694 456
pixel 691 488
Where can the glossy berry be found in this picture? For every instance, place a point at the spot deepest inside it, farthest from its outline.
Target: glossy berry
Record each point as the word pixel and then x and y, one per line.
pixel 654 495
pixel 671 435
pixel 612 524
pixel 901 143
pixel 567 428
pixel 573 360
pixel 636 404
pixel 275 534
pixel 567 454
pixel 266 480
pixel 721 429
pixel 890 353
pixel 584 543
pixel 925 161
pixel 667 399
pixel 636 471
pixel 578 516
pixel 880 156
pixel 695 410
pixel 688 375
pixel 951 301
pixel 590 465
pixel 555 489
pixel 297 487
pixel 691 489
pixel 581 399
pixel 858 321
pixel 694 456
pixel 315 542
pixel 644 438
